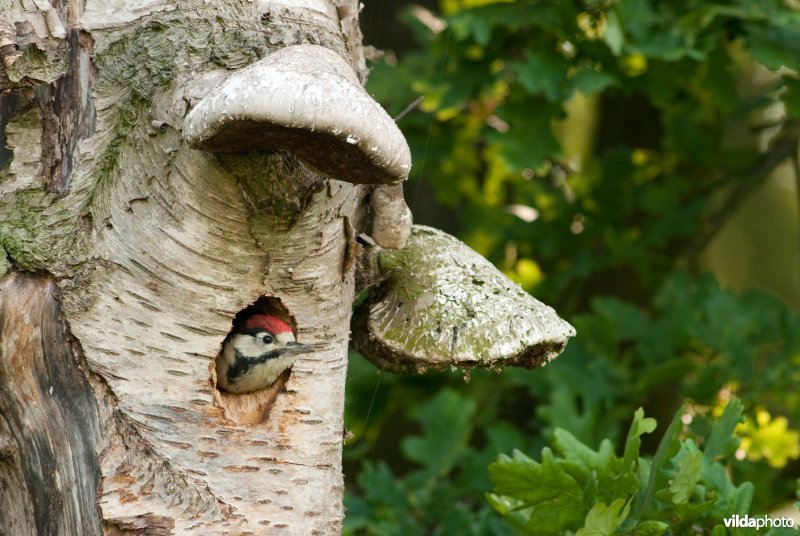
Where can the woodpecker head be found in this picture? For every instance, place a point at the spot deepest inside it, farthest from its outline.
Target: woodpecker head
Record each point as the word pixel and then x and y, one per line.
pixel 256 352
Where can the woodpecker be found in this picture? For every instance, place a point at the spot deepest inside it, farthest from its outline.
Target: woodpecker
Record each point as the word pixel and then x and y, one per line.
pixel 256 352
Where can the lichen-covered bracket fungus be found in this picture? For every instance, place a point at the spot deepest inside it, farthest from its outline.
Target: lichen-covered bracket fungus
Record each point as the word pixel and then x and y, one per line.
pixel 441 305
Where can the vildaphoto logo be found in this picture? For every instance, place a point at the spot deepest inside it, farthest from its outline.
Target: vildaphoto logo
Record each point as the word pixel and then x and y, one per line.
pixel 758 522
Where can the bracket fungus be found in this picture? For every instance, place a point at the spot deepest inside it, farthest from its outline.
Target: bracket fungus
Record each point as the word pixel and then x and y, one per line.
pixel 306 99
pixel 442 305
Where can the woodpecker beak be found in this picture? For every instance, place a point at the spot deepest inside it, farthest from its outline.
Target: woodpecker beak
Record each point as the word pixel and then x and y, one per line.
pixel 292 348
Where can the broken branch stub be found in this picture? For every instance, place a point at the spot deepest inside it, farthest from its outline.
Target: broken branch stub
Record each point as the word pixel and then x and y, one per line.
pixel 391 217
pixel 305 99
pixel 443 305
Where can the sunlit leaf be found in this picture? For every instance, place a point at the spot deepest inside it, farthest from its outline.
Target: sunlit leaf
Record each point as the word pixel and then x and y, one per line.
pixel 689 472
pixel 589 81
pixel 603 520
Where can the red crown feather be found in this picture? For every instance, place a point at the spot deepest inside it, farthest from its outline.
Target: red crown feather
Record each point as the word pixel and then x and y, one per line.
pixel 273 324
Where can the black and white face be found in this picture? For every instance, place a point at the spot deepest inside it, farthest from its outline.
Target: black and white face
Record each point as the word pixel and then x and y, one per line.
pixel 253 359
pixel 260 342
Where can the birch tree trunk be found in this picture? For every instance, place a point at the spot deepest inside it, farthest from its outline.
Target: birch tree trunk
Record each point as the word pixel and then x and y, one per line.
pixel 126 256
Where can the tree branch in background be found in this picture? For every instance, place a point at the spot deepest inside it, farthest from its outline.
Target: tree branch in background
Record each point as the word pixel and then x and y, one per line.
pixel 410 108
pixel 784 146
pixel 796 171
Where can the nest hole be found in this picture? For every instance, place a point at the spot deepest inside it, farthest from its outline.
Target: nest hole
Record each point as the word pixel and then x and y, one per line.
pixel 253 407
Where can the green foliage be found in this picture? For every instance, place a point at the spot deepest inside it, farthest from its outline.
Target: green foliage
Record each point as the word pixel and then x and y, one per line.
pixel 622 354
pixel 673 126
pixel 600 494
pixel 589 149
pixel 438 496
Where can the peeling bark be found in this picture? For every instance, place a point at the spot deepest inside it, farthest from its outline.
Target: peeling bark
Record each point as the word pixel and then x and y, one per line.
pixel 49 419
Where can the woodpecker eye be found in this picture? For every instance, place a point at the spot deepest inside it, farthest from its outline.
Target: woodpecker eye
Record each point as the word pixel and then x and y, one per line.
pixel 266 339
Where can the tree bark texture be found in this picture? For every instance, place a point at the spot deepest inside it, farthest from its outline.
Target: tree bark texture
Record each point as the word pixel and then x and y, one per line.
pixel 126 256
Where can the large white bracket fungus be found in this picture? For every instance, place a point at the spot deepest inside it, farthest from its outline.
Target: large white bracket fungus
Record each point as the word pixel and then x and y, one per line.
pixel 308 100
pixel 443 305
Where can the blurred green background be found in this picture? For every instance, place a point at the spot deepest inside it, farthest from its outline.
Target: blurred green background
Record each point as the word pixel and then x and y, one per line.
pixel 633 164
